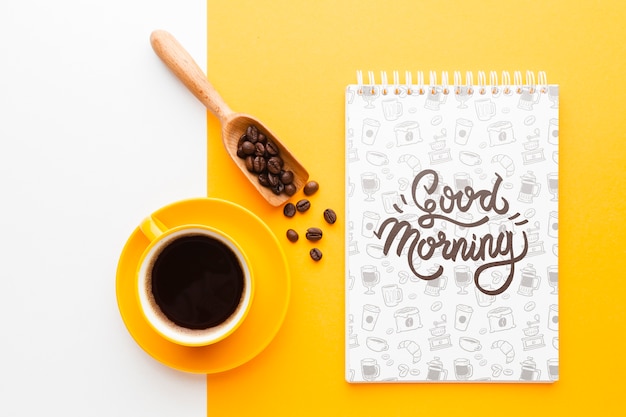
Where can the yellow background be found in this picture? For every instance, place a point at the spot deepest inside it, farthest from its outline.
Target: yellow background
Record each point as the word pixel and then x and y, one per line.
pixel 288 63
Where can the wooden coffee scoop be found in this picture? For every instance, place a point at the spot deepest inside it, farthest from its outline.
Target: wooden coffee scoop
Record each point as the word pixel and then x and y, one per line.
pixel 234 125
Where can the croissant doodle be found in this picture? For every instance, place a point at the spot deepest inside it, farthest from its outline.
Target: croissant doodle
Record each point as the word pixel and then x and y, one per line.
pixel 411 161
pixel 413 348
pixel 506 162
pixel 506 348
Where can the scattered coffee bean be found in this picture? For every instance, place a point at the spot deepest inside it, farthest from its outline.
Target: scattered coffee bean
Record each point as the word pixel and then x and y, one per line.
pixel 289 210
pixel 313 234
pixel 330 216
pixel 292 235
pixel 265 160
pixel 303 205
pixel 311 188
pixel 316 254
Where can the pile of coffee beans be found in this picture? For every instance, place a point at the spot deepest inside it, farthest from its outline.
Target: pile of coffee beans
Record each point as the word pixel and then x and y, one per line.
pixel 313 234
pixel 262 158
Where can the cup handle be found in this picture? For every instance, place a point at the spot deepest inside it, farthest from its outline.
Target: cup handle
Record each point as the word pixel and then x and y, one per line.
pixel 445 282
pixel 152 228
pixel 538 189
pixel 537 282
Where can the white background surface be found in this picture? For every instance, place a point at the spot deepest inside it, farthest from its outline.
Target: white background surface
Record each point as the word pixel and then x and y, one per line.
pixel 95 133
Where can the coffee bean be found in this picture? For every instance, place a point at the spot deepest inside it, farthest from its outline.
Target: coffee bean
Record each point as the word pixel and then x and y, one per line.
pixel 290 189
pixel 275 184
pixel 247 147
pixel 271 148
pixel 263 180
pixel 259 164
pixel 292 235
pixel 262 138
pixel 278 188
pixel 250 163
pixel 252 133
pixel 286 177
pixel 330 216
pixel 259 149
pixel 289 210
pixel 275 165
pixel 311 188
pixel 303 205
pixel 315 254
pixel 313 234
pixel 273 179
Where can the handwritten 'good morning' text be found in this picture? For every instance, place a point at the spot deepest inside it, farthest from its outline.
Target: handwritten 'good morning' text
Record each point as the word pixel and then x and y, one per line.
pixel 498 250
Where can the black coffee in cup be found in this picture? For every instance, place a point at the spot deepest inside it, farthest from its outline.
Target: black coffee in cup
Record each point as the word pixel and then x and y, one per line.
pixel 197 281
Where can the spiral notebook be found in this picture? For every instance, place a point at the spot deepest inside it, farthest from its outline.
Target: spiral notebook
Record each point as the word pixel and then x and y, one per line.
pixel 452 231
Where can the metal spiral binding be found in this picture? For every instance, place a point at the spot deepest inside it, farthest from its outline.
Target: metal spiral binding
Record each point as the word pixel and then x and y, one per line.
pixel 495 86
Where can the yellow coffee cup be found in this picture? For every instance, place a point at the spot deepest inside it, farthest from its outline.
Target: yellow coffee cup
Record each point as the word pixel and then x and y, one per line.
pixel 195 284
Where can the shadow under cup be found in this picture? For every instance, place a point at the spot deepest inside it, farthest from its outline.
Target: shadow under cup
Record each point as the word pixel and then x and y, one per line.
pixel 194 283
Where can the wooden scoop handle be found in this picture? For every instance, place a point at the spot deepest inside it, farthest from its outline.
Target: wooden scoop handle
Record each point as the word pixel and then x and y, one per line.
pixel 187 70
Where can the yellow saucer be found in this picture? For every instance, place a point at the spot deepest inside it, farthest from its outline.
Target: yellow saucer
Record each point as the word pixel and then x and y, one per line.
pixel 268 308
